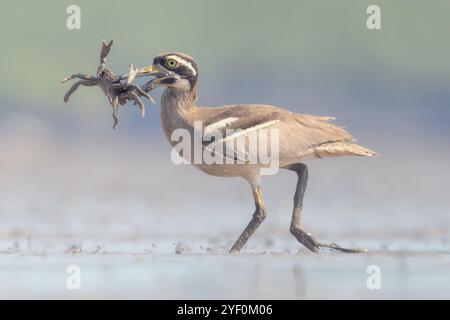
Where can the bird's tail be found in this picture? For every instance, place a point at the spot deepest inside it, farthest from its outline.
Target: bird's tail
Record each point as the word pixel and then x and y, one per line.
pixel 336 149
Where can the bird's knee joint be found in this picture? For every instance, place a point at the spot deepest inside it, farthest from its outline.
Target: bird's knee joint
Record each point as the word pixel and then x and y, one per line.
pixel 294 228
pixel 260 214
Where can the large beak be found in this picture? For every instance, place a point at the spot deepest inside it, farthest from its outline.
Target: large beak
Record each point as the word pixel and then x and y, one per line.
pixel 148 71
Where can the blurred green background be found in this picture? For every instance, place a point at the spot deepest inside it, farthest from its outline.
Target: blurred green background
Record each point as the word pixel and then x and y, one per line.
pixel 239 45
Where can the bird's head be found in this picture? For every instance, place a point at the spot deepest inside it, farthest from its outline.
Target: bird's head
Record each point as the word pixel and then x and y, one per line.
pixel 176 70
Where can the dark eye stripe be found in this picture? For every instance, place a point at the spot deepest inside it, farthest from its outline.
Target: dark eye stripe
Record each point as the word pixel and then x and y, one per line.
pixel 181 68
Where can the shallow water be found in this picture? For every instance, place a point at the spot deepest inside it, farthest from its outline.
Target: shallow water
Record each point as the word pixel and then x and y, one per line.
pixel 157 272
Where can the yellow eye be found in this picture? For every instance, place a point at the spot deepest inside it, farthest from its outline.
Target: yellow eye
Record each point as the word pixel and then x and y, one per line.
pixel 171 63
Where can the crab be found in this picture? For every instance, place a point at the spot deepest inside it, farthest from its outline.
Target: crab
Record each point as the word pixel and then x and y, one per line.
pixel 118 89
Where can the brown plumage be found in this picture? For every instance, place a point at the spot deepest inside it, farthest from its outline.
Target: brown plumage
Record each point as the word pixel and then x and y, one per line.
pixel 301 137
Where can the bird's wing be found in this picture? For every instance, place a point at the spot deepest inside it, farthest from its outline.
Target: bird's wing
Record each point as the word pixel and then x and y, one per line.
pixel 234 131
pixel 314 131
pixel 310 130
pixel 319 138
pixel 299 135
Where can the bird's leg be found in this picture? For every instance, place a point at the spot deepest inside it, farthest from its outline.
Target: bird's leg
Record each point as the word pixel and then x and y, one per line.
pixel 302 235
pixel 76 85
pixel 257 219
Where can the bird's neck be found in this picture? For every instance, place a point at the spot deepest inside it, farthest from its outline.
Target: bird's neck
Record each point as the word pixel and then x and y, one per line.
pixel 179 100
pixel 178 108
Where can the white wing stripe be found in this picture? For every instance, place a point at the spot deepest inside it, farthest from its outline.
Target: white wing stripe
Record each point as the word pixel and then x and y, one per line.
pixel 254 128
pixel 218 125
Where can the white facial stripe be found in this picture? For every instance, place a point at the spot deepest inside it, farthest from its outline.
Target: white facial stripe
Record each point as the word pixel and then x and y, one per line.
pixel 254 128
pixel 219 125
pixel 184 63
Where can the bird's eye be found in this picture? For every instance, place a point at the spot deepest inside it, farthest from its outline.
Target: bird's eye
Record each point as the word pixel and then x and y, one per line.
pixel 171 63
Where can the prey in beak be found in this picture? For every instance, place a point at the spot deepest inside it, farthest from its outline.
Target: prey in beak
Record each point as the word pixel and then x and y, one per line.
pixel 118 89
pixel 155 70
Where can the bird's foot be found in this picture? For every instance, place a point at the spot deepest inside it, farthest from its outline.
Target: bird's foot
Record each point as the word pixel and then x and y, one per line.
pixel 307 239
pixel 337 247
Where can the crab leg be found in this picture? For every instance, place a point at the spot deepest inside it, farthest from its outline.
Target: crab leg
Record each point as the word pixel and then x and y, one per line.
pixel 73 88
pixel 115 106
pixel 138 100
pixel 143 93
pixel 79 76
pixel 131 95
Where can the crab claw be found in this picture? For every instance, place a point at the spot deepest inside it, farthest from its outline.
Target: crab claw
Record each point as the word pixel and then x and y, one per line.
pixel 106 47
pixel 132 74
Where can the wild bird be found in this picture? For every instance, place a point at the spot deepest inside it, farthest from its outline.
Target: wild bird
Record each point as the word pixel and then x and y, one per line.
pixel 301 137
